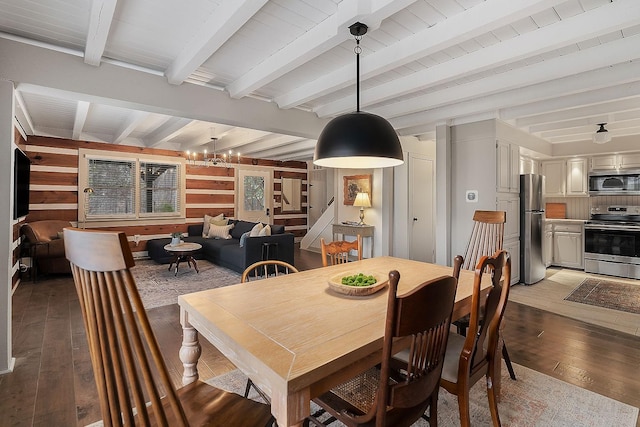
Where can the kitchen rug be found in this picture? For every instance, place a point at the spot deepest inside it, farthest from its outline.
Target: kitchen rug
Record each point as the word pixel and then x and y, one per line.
pixel 607 294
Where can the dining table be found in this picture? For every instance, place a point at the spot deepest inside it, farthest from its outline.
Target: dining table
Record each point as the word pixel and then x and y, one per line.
pixel 296 337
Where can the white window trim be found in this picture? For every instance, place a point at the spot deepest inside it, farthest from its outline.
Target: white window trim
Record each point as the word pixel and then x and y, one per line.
pixel 84 155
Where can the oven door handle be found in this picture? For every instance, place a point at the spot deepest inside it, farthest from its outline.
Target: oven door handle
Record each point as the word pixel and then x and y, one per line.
pixel 611 227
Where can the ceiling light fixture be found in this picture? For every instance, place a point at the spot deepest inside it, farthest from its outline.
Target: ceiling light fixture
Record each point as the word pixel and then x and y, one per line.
pixel 215 160
pixel 358 140
pixel 602 136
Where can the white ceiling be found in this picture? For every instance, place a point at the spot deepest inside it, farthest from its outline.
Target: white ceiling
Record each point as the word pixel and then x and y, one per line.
pixel 552 68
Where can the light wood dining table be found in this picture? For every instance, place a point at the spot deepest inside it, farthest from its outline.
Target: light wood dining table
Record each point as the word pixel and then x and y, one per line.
pixel 294 336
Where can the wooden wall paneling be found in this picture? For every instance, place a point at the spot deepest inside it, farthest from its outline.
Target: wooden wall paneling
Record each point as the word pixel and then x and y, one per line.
pixel 210 171
pixel 212 198
pixel 51 159
pixel 206 184
pixel 62 214
pixel 71 144
pixel 200 212
pixel 54 178
pixel 44 197
pixel 210 190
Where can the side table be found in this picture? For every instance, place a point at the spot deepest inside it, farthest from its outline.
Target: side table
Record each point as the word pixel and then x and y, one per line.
pixel 354 230
pixel 183 252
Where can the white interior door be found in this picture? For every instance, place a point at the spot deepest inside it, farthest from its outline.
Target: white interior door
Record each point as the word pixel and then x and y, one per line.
pixel 421 231
pixel 255 200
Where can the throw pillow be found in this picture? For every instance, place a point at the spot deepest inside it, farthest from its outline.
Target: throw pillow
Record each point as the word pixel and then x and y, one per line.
pixel 220 231
pixel 221 222
pixel 207 223
pixel 266 231
pixel 243 238
pixel 255 231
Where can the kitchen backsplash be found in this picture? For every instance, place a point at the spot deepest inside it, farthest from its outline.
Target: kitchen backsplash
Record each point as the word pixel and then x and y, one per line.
pixel 579 207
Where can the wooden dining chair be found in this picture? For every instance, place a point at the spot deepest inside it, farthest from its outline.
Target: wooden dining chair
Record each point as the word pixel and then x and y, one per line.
pixel 397 392
pixel 337 252
pixel 263 270
pixel 133 382
pixel 486 238
pixel 475 356
pixel 268 268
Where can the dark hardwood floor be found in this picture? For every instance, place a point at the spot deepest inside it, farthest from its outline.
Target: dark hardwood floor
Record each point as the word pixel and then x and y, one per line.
pixel 52 384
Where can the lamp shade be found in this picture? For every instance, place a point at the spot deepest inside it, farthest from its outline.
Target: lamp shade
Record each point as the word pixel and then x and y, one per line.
pixel 602 135
pixel 362 200
pixel 358 140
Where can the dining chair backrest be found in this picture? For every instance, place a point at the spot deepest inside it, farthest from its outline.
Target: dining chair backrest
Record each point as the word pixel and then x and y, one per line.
pixel 264 269
pixel 124 351
pixel 423 315
pixel 476 355
pixel 486 316
pixel 486 236
pixel 337 252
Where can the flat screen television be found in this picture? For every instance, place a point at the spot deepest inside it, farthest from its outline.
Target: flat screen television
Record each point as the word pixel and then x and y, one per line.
pixel 21 175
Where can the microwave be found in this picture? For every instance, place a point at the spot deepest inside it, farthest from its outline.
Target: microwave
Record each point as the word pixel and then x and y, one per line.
pixel 614 183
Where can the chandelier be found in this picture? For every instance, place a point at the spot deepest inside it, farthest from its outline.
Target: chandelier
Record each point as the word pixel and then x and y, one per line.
pixel 214 159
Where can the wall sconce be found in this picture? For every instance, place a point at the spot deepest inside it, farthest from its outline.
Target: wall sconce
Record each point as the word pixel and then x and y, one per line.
pixel 362 200
pixel 87 192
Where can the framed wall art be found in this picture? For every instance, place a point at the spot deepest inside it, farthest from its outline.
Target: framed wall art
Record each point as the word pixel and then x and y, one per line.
pixel 355 184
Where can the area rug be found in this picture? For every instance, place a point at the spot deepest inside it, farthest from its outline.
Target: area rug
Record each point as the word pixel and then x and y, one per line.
pixel 534 399
pixel 158 286
pixel 608 294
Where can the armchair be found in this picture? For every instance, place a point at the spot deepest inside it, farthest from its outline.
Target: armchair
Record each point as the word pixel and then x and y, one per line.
pixel 46 246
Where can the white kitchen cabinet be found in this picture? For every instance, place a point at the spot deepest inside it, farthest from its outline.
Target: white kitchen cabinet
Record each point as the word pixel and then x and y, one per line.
pixel 513 247
pixel 568 245
pixel 577 181
pixel 528 165
pixel 547 245
pixel 629 161
pixel 511 205
pixel 565 177
pixel 616 161
pixel 554 172
pixel 508 164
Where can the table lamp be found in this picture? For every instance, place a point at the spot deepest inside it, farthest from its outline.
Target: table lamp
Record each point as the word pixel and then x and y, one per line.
pixel 362 200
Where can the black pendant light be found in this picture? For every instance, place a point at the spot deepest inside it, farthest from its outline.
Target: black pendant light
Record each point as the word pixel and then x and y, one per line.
pixel 358 140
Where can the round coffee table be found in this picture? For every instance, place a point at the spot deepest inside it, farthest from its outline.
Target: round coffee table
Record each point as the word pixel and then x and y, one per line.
pixel 183 252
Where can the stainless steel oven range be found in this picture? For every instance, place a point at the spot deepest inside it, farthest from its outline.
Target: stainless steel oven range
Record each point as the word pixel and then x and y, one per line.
pixel 612 241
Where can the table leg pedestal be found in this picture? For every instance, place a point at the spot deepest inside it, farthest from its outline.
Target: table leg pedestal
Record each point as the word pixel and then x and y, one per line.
pixel 189 353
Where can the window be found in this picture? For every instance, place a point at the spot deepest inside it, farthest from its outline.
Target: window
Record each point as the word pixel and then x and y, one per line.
pixel 130 187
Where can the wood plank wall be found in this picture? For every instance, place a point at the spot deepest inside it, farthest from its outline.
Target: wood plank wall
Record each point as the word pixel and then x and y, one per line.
pixel 54 188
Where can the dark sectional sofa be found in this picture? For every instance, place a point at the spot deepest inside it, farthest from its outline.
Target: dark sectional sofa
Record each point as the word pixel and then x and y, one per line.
pixel 227 252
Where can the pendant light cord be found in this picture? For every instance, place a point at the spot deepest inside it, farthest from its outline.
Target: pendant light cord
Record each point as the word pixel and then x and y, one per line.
pixel 357 50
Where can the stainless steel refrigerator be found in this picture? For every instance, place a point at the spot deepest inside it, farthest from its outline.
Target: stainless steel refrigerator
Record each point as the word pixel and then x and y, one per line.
pixel 532 268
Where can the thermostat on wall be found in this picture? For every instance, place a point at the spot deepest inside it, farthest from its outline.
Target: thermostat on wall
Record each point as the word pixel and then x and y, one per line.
pixel 472 196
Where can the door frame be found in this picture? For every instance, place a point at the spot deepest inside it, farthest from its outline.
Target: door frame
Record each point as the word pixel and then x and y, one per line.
pixel 410 212
pixel 241 171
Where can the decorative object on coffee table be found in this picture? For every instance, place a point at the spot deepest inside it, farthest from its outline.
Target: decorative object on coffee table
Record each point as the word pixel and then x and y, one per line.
pixel 183 252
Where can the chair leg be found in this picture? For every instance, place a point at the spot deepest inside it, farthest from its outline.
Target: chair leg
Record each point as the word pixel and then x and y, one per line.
pixel 463 408
pixel 507 361
pixel 247 388
pixel 433 409
pixel 493 401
